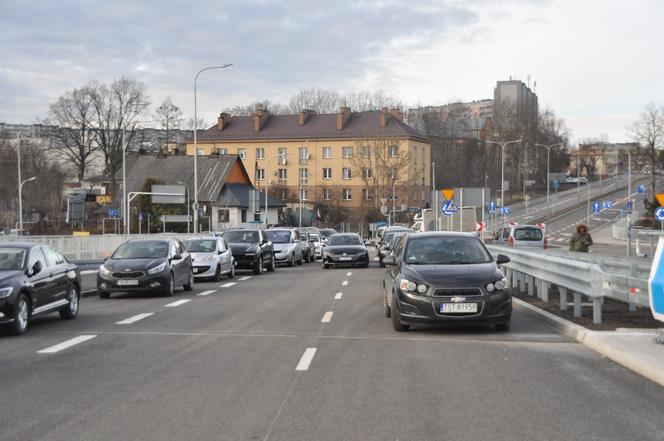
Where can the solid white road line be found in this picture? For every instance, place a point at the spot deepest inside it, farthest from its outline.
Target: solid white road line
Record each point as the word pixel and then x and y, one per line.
pixel 242 279
pixel 306 359
pixel 345 282
pixel 228 285
pixel 135 318
pixel 338 296
pixel 207 293
pixel 349 274
pixel 89 272
pixel 178 303
pixel 327 317
pixel 66 344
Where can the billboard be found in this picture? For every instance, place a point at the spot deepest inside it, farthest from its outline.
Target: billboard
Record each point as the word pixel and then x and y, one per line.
pixel 180 190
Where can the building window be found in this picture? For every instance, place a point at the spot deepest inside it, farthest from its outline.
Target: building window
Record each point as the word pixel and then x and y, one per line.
pixel 201 152
pixel 327 194
pixel 257 217
pixel 393 151
pixel 283 176
pixel 366 152
pixel 224 216
pixel 283 194
pixel 304 193
pixel 222 151
pixel 327 173
pixel 304 155
pixel 346 174
pixel 242 153
pixel 304 176
pixel 393 173
pixel 366 173
pixel 260 153
pixel 347 152
pixel 243 216
pixel 260 174
pixel 327 152
pixel 346 194
pixel 368 194
pixel 282 156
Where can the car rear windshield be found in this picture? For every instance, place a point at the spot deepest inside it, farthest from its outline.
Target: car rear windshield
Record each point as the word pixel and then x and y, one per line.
pixel 248 236
pixel 443 250
pixel 531 234
pixel 11 259
pixel 202 245
pixel 314 237
pixel 342 239
pixel 278 236
pixel 152 249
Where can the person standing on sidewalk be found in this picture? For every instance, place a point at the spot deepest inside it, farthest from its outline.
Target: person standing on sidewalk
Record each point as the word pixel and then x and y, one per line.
pixel 581 240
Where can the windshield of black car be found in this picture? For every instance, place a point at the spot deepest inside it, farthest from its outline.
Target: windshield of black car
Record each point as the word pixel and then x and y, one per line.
pixel 344 240
pixel 241 236
pixel 445 251
pixel 202 245
pixel 11 259
pixel 278 236
pixel 142 250
pixel 528 234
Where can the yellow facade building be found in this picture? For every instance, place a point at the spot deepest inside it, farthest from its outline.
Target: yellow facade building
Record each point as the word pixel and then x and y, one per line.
pixel 348 159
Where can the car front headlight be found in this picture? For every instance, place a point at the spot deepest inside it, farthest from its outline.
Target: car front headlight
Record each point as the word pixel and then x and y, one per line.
pixel 105 271
pixel 498 285
pixel 5 292
pixel 410 286
pixel 157 269
pixel 207 258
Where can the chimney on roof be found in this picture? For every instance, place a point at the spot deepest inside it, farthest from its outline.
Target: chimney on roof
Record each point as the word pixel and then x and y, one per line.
pixel 260 117
pixel 303 116
pixel 397 114
pixel 384 115
pixel 222 121
pixel 342 117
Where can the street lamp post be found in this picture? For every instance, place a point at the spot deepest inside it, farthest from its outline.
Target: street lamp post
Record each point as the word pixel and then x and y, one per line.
pixel 267 181
pixel 548 169
pixel 502 169
pixel 196 141
pixel 20 204
pixel 188 207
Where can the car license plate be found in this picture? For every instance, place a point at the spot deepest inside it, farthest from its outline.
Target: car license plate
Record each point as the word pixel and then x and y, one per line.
pixel 128 282
pixel 459 308
pixel 345 258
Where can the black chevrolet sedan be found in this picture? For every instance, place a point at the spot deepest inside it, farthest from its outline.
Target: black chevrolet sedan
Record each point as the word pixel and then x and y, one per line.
pixel 445 277
pixel 35 279
pixel 140 265
pixel 346 249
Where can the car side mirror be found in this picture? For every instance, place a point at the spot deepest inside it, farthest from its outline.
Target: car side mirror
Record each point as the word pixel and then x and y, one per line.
pixel 37 268
pixel 366 243
pixel 501 259
pixel 389 260
pixel 176 257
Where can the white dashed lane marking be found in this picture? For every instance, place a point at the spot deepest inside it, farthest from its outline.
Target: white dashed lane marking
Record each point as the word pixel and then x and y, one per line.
pixel 228 285
pixel 207 293
pixel 327 317
pixel 345 282
pixel 178 303
pixel 66 344
pixel 135 318
pixel 349 274
pixel 242 279
pixel 338 296
pixel 306 359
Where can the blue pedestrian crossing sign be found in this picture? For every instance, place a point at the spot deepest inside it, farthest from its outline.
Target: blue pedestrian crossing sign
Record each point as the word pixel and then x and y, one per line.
pixel 607 204
pixel 492 207
pixel 140 216
pixel 113 213
pixel 629 206
pixel 641 188
pixel 505 210
pixel 659 214
pixel 448 208
pixel 656 282
pixel 595 208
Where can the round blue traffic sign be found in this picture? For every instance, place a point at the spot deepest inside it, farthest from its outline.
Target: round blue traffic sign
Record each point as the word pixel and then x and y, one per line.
pixel 659 214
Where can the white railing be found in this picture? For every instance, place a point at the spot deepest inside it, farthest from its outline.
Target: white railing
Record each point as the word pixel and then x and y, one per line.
pixel 578 274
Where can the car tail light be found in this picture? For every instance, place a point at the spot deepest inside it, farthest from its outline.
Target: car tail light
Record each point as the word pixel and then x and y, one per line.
pixel 546 243
pixel 510 241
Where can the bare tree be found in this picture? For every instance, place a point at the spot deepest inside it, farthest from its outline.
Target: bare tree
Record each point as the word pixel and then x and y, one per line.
pixel 74 141
pixel 648 131
pixel 169 116
pixel 117 107
pixel 201 124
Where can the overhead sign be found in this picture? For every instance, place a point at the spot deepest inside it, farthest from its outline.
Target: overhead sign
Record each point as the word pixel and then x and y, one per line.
pixel 659 214
pixel 448 193
pixel 641 188
pixel 595 208
pixel 660 199
pixel 177 189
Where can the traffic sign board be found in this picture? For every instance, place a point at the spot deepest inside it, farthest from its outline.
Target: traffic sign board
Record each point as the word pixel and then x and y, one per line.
pixel 140 216
pixel 595 208
pixel 492 207
pixel 556 184
pixel 383 201
pixel 383 209
pixel 660 199
pixel 659 214
pixel 505 210
pixel 641 188
pixel 448 208
pixel 448 193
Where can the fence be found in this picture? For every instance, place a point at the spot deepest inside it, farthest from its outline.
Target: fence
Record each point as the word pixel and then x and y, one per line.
pixel 589 276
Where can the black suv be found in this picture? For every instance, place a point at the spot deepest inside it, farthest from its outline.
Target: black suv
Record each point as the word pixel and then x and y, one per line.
pixel 35 279
pixel 251 249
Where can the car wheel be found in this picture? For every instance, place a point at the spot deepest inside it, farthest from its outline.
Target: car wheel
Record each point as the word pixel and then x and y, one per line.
pixel 232 273
pixel 301 260
pixel 170 290
pixel 502 327
pixel 271 266
pixel 394 312
pixel 386 307
pixel 104 294
pixel 380 262
pixel 190 284
pixel 326 266
pixel 312 257
pixel 21 316
pixel 70 310
pixel 291 261
pixel 217 274
pixel 258 266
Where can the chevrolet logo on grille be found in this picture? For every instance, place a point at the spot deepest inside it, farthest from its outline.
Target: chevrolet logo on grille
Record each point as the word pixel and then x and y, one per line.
pixel 127 270
pixel 457 299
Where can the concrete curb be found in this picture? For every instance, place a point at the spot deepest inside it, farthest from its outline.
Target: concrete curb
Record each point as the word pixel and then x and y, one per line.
pixel 591 340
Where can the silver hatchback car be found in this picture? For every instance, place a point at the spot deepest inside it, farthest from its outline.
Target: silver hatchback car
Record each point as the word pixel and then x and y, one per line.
pixel 522 236
pixel 210 257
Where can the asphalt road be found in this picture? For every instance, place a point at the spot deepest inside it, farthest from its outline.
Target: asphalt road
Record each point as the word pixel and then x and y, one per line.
pixel 224 366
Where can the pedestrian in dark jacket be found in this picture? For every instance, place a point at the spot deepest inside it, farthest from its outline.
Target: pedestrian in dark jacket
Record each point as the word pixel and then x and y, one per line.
pixel 581 240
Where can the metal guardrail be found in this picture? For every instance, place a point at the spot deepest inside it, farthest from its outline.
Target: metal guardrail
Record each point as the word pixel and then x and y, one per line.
pixel 88 247
pixel 580 275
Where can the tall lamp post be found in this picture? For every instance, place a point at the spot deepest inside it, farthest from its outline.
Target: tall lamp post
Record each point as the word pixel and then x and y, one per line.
pixel 196 141
pixel 548 169
pixel 502 168
pixel 188 206
pixel 267 181
pixel 20 203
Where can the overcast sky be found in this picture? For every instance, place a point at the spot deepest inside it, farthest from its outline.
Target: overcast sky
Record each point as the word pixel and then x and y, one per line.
pixel 596 64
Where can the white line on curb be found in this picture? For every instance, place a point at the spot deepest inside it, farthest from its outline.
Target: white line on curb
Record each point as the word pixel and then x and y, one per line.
pixel 134 319
pixel 327 317
pixel 345 282
pixel 338 296
pixel 207 293
pixel 242 279
pixel 66 344
pixel 228 285
pixel 178 303
pixel 306 359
